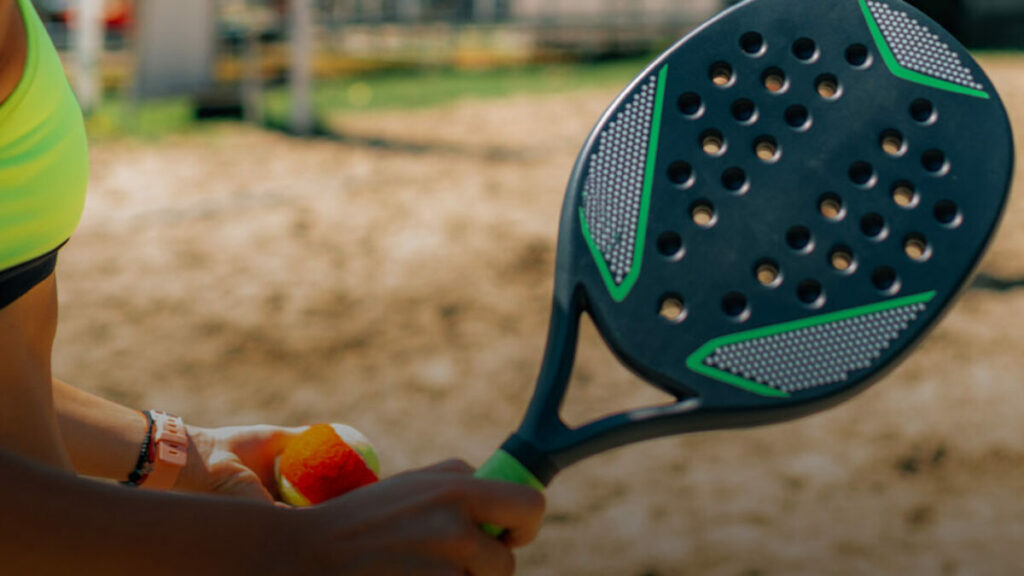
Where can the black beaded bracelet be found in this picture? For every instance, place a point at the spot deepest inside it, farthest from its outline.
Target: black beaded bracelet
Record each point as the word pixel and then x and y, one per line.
pixel 142 465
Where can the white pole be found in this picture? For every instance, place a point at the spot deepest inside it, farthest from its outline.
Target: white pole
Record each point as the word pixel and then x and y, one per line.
pixel 301 77
pixel 88 45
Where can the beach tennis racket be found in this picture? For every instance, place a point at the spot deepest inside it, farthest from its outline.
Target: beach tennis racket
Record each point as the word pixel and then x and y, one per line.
pixel 767 219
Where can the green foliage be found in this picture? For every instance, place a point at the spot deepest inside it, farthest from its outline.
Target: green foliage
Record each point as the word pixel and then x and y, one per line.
pixel 420 89
pixel 117 117
pixel 380 91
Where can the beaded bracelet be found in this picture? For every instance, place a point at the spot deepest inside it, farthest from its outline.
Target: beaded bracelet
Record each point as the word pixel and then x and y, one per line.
pixel 144 464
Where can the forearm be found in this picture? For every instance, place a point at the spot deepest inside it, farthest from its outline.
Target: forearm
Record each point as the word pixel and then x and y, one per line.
pixel 102 438
pixel 58 524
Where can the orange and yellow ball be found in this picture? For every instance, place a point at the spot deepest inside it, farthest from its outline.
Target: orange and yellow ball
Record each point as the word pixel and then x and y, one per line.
pixel 324 462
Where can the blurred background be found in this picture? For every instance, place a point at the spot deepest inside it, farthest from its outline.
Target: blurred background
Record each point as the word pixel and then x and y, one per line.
pixel 231 57
pixel 346 210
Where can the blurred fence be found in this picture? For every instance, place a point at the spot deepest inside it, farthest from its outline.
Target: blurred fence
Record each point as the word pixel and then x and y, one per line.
pixel 247 43
pixel 543 18
pixel 151 47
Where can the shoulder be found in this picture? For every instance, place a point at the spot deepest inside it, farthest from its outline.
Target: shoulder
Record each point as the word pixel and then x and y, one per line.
pixel 12 46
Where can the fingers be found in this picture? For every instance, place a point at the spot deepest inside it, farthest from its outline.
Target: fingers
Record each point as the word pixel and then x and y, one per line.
pixel 453 466
pixel 519 509
pixel 451 534
pixel 429 522
pixel 245 485
pixel 256 443
pixel 488 557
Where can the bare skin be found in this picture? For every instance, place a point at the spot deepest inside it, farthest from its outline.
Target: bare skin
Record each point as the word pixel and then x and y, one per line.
pixel 419 523
pixel 424 522
pixel 12 47
pixel 28 425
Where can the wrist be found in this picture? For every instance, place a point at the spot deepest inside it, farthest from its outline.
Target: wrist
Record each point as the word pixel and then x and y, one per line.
pixel 195 475
pixel 142 461
pixel 163 453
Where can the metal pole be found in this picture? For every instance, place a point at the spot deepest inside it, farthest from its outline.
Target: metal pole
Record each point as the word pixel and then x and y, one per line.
pixel 88 44
pixel 301 77
pixel 252 77
pixel 409 10
pixel 485 10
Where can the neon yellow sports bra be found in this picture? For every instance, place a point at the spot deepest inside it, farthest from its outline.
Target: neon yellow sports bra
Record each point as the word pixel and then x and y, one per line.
pixel 44 156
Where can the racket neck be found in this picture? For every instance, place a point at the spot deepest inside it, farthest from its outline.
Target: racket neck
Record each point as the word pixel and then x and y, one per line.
pixel 542 429
pixel 531 457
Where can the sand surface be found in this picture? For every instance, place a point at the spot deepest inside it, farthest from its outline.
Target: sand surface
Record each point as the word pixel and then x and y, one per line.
pixel 235 276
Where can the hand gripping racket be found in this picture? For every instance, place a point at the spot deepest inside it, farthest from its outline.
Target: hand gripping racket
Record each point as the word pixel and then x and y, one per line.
pixel 767 219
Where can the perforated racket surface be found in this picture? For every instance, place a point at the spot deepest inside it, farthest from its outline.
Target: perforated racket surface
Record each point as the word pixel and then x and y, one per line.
pixel 768 218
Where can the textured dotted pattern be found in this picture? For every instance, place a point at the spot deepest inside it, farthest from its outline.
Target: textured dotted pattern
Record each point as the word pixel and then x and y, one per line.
pixel 917 48
pixel 614 186
pixel 818 355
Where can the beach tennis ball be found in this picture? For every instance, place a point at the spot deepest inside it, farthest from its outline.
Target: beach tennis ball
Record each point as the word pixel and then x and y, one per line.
pixel 324 462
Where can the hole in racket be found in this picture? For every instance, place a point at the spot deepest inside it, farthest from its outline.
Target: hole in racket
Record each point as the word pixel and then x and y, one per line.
pixel 828 87
pixel 923 111
pixel 858 56
pixel 873 226
pixel 691 105
pixel 799 238
pixel 672 309
pixel 703 214
pixel 798 117
pixel 806 50
pixel 736 307
pixel 947 213
pixel 935 162
pixel 775 80
pixel 832 207
pixel 811 293
pixel 767 149
pixel 842 260
pixel 735 180
pixel 863 175
pixel 917 248
pixel 721 75
pixel 752 44
pixel 744 111
pixel 681 174
pixel 893 144
pixel 670 245
pixel 886 280
pixel 768 273
pixel 712 142
pixel 905 196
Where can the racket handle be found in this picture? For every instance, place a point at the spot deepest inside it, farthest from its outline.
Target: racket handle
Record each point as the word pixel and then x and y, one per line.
pixel 504 467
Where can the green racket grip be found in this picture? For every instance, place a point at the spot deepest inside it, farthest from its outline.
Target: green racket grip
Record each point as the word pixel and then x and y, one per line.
pixel 504 467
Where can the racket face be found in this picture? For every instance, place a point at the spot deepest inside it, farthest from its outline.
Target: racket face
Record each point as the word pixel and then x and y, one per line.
pixel 782 204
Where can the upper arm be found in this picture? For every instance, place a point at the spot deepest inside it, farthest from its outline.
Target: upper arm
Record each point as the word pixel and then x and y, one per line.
pixel 28 424
pixel 12 47
pixel 28 293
